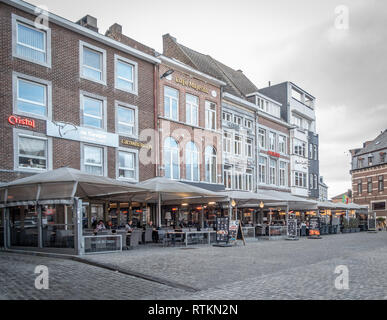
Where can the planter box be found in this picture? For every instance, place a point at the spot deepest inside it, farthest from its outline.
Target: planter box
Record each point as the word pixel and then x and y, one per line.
pixel 346 230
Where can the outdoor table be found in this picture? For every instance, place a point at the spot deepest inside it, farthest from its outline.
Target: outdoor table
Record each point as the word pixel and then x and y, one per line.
pixel 173 234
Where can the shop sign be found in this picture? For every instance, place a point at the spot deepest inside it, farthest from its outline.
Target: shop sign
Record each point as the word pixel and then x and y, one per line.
pixel 190 84
pixel 274 154
pixel 75 133
pixel 18 121
pixel 137 144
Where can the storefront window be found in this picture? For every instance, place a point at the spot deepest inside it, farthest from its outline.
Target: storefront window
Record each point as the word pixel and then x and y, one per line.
pixel 57 226
pixel 24 226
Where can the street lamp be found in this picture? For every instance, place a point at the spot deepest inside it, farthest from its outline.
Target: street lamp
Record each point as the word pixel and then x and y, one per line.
pixel 167 74
pixel 261 205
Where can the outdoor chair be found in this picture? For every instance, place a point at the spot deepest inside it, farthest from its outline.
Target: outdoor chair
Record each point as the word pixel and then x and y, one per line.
pixel 123 235
pixel 135 238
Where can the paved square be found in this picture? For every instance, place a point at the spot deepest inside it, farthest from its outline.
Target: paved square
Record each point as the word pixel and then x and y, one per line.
pixel 262 270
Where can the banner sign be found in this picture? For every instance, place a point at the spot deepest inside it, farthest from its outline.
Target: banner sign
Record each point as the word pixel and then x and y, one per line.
pixel 88 135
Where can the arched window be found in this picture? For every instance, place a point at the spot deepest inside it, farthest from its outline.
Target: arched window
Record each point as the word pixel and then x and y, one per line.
pixel 211 165
pixel 192 162
pixel 171 159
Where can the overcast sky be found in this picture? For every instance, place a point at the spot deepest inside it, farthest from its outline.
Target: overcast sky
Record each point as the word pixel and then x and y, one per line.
pixel 277 40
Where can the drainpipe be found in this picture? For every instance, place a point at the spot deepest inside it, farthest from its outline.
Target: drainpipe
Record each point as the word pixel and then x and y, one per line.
pixel 156 120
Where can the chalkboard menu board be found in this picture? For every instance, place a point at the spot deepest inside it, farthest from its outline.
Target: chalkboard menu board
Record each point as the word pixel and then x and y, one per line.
pixel 292 228
pixel 314 223
pixel 222 229
pixel 372 223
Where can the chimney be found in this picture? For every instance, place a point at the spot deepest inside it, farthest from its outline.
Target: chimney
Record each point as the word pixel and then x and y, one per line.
pixel 240 71
pixel 114 32
pixel 88 22
pixel 269 83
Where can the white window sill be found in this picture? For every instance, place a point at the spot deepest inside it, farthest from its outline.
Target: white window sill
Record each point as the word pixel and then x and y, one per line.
pixel 43 64
pixel 103 82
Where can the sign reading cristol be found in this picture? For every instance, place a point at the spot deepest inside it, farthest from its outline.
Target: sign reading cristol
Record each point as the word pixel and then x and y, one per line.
pixel 17 121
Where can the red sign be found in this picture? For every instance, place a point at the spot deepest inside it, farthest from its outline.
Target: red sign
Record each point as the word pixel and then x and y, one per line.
pixel 274 154
pixel 13 120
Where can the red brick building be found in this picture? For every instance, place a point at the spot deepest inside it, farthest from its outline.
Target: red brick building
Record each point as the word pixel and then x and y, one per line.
pixel 369 175
pixel 189 118
pixel 74 97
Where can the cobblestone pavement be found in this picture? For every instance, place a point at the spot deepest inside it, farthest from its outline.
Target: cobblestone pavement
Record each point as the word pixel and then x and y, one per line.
pixel 262 270
pixel 70 280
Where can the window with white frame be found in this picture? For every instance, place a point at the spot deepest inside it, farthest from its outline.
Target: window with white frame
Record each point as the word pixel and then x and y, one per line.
pixel 237 145
pixel 249 180
pixel 92 112
pixel 93 63
pixel 282 144
pixel 283 173
pixel 127 168
pixel 227 142
pixel 297 121
pixel 93 160
pixel 227 177
pixel 192 162
pixel 299 147
pixel 248 124
pixel 127 122
pixel 262 169
pixel 227 116
pixel 315 152
pixel 311 181
pixel 32 41
pixel 315 182
pixel 32 153
pixel 238 181
pixel 171 159
pixel 238 120
pixel 211 165
pixel 300 179
pixel 272 141
pixel 171 103
pixel 262 138
pixel 249 148
pixel 126 74
pixel 210 115
pixel 32 97
pixel 192 109
pixel 273 172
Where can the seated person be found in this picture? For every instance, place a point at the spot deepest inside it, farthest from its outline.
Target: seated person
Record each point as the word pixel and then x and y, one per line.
pixel 100 227
pixel 129 226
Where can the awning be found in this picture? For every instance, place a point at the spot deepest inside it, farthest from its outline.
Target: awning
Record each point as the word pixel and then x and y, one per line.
pixel 60 186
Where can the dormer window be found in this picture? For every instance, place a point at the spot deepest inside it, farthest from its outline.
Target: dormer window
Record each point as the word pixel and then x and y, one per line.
pixel 370 160
pixel 382 157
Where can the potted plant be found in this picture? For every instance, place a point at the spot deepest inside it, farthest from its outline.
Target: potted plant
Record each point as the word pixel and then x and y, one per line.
pixel 346 227
pixel 354 225
pixel 381 223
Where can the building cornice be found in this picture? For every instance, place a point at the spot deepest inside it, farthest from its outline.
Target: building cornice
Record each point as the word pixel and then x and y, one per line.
pixel 183 67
